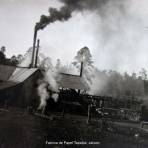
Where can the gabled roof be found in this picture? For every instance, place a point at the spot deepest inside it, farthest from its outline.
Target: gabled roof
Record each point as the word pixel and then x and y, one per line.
pixel 11 75
pixel 72 81
pixel 21 74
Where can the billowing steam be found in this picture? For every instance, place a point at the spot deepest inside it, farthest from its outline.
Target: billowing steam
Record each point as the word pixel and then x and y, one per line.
pixel 43 94
pixel 25 62
pixel 47 87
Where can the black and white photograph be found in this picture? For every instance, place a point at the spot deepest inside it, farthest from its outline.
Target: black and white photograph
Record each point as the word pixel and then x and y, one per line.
pixel 73 73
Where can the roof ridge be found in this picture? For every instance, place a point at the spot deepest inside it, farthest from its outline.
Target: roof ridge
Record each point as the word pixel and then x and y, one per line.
pixel 69 74
pixel 17 66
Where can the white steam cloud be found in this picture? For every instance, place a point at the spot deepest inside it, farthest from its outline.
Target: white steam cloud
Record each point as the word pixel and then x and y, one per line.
pixel 49 85
pixel 122 35
pixel 49 82
pixel 43 94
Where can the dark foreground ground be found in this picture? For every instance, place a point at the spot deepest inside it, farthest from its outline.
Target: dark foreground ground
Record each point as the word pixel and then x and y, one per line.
pixel 18 129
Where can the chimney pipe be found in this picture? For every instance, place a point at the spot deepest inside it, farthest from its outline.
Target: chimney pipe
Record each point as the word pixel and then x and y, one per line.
pixel 37 51
pixel 34 43
pixel 81 70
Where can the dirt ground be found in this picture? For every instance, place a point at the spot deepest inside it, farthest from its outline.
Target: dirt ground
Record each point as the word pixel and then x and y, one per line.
pixel 18 129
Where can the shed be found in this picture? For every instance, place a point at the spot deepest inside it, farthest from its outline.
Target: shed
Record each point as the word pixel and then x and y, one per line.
pixel 18 85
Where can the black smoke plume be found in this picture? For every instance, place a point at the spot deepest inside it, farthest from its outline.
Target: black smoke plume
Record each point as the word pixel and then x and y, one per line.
pixel 65 12
pixel 55 15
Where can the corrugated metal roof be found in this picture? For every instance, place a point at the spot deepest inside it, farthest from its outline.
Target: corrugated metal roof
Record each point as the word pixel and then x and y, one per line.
pixel 72 81
pixel 21 74
pixel 6 72
pixel 11 75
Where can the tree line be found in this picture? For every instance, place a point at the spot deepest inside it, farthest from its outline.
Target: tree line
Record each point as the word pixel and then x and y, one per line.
pixel 13 61
pixel 100 82
pixel 107 82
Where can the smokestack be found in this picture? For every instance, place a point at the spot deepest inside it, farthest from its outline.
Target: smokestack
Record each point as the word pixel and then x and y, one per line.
pixel 34 43
pixel 81 70
pixel 37 51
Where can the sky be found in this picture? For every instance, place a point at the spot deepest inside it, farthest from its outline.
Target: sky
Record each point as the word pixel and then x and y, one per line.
pixel 116 36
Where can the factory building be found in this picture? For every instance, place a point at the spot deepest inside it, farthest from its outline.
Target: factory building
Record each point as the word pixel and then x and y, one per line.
pixel 18 85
